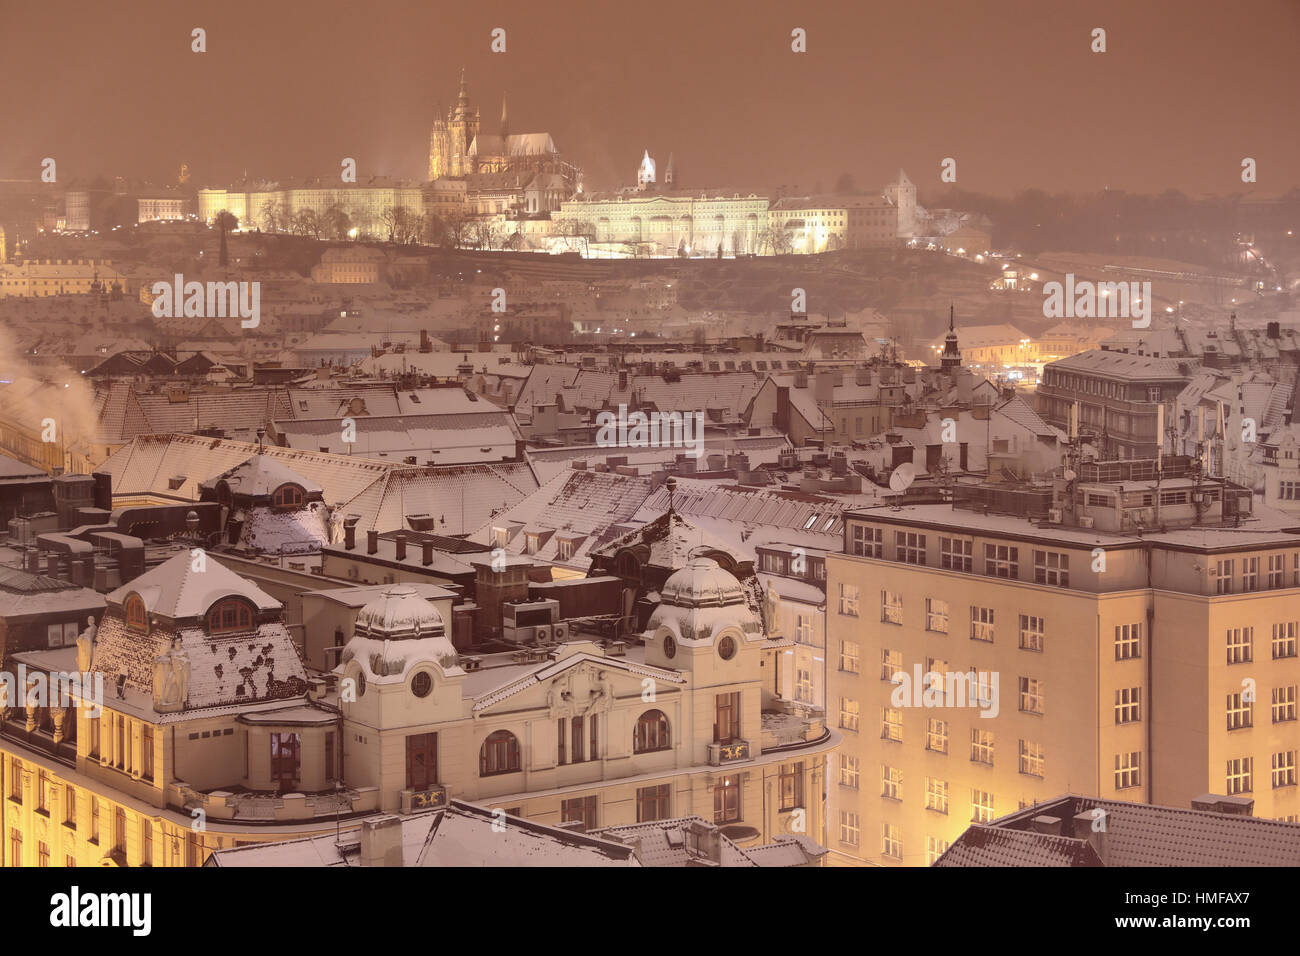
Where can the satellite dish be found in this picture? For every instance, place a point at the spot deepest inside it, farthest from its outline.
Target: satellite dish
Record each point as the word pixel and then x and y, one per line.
pixel 902 477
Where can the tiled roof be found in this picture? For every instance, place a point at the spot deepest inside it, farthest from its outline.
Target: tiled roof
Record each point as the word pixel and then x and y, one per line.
pixel 990 846
pixel 175 590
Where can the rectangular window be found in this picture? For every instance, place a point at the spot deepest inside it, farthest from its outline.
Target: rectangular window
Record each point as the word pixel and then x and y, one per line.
pixel 579 810
pixel 981 623
pixel 849 600
pixel 1051 567
pixel 562 741
pixel 119 829
pixel 726 800
pixel 848 714
pixel 909 547
pixel 891 724
pixel 577 739
pixel 654 803
pixel 1276 570
pixel 791 783
pixel 802 687
pixel 1128 641
pixel 891 841
pixel 891 663
pixel 867 542
pixel 891 607
pixel 1128 705
pixel 891 782
pixel 1128 770
pixel 1031 758
pixel 1240 775
pixel 935 848
pixel 70 806
pixel 936 615
pixel 1283 704
pixel 146 747
pixel 1031 695
pixel 850 771
pixel 42 853
pixel 1250 574
pixel 42 792
pixel 936 736
pixel 16 780
pixel 146 842
pixel 1031 632
pixel 981 746
pixel 15 847
pixel 1284 640
pixel 850 828
pixel 1240 712
pixel 981 806
pixel 1240 645
pixel 1223 577
pixel 1284 769
pixel 1001 561
pixel 955 554
pixel 726 725
pixel 936 795
pixel 849 656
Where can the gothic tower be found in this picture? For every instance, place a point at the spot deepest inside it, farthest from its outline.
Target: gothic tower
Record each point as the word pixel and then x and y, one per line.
pixel 450 140
pixel 951 357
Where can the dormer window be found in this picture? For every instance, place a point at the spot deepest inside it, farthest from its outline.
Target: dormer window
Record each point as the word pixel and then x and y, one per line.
pixel 230 614
pixel 137 618
pixel 288 496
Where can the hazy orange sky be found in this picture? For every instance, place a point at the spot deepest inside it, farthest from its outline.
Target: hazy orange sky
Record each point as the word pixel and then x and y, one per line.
pixel 1011 89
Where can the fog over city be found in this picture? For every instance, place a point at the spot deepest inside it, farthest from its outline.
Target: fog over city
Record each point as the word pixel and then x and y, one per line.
pixel 695 435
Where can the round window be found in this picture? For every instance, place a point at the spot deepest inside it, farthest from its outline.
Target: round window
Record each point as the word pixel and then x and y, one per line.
pixel 361 683
pixel 670 646
pixel 421 684
pixel 727 648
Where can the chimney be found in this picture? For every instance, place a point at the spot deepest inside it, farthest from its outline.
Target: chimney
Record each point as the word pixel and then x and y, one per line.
pixel 350 533
pixel 381 841
pixel 34 561
pixel 1091 825
pixel 1046 824
pixel 428 552
pixel 52 565
pixel 372 541
pixel 400 539
pixel 1217 803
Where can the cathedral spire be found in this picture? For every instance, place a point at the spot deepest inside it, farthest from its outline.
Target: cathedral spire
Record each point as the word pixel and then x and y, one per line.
pixel 951 357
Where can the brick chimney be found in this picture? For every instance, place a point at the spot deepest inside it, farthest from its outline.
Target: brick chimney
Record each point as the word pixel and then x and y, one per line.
pixel 400 539
pixel 350 533
pixel 372 541
pixel 428 552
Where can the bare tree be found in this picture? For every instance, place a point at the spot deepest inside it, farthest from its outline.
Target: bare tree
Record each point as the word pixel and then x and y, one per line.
pixel 337 222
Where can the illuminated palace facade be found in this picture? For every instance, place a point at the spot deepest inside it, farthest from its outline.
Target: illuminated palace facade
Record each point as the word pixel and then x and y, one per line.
pixel 267 205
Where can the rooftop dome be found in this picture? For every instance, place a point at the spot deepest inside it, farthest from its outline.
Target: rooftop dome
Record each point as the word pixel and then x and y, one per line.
pixel 399 614
pixel 702 583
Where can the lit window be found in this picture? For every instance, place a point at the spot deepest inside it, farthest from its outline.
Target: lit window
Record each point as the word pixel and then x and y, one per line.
pixel 137 618
pixel 231 614
pixel 288 496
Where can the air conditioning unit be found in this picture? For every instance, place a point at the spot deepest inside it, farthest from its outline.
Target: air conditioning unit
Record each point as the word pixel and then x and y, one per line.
pixel 559 632
pixel 1054 515
pixel 1085 522
pixel 542 634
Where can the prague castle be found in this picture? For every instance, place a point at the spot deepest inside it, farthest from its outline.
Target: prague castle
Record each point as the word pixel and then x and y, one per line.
pixel 459 146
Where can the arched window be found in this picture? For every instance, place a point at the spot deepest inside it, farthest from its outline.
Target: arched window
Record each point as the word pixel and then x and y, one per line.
pixel 500 754
pixel 288 496
pixel 223 494
pixel 628 566
pixel 137 618
pixel 230 614
pixel 651 733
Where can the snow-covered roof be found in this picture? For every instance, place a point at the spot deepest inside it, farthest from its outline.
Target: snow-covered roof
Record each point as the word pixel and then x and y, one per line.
pixel 259 476
pixel 176 591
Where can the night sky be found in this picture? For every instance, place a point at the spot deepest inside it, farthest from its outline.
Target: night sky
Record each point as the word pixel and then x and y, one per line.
pixel 1010 89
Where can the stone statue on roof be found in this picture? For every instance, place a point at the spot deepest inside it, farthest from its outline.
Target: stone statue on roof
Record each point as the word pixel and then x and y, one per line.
pixel 86 646
pixel 171 678
pixel 772 610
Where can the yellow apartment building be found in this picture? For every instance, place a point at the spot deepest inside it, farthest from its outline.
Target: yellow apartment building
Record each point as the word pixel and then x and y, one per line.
pixel 1127 635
